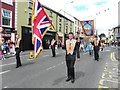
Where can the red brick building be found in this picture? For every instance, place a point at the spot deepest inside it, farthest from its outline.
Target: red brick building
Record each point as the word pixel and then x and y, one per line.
pixel 7 18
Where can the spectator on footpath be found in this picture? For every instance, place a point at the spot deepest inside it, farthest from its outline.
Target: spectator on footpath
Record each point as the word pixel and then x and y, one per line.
pixel 0 49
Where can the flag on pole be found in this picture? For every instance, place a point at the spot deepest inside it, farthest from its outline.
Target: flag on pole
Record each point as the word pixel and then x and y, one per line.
pixel 41 23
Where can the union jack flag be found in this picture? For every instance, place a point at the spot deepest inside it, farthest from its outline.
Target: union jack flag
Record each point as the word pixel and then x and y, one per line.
pixel 41 23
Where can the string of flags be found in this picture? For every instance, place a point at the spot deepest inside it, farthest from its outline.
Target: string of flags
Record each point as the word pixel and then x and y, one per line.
pixel 98 13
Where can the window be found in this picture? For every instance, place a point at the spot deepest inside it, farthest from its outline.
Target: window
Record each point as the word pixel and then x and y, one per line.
pixel 66 29
pixel 10 2
pixel 70 29
pixel 50 14
pixel 6 17
pixel 60 19
pixel 75 28
pixel 30 5
pixel 60 27
pixel 30 19
pixel 70 23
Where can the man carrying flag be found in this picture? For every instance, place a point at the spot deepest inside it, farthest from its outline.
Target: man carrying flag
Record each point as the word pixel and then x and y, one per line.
pixel 41 23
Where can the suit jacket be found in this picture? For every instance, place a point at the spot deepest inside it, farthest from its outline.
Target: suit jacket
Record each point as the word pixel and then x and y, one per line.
pixel 75 51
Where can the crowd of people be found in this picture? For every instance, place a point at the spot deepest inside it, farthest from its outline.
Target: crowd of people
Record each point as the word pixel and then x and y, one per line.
pixel 7 47
pixel 72 46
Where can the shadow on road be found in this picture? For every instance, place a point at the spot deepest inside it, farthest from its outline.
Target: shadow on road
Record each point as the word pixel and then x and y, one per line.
pixel 27 63
pixel 77 74
pixel 57 81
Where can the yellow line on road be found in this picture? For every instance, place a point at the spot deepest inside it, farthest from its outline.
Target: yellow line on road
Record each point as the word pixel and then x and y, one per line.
pixel 100 87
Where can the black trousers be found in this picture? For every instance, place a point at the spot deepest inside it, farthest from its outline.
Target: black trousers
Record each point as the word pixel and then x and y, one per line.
pixel 70 61
pixel 96 52
pixel 18 61
pixel 53 51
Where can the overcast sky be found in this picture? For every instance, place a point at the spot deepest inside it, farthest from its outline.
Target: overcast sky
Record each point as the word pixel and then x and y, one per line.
pixel 104 12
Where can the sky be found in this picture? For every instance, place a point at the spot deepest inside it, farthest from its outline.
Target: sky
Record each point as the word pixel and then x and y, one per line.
pixel 104 12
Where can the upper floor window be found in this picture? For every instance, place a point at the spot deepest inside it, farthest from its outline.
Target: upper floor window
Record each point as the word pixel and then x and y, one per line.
pixel 60 20
pixel 60 27
pixel 6 17
pixel 30 5
pixel 30 19
pixel 51 13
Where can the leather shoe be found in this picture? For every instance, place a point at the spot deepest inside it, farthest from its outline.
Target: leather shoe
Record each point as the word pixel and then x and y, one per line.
pixel 18 66
pixel 68 79
pixel 72 80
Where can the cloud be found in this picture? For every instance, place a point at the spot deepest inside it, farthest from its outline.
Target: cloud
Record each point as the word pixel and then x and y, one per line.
pixel 81 8
pixel 101 3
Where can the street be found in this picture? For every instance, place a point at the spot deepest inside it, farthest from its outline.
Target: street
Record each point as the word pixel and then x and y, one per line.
pixel 49 72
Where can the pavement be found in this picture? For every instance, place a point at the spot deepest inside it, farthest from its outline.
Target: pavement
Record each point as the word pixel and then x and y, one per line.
pixel 49 72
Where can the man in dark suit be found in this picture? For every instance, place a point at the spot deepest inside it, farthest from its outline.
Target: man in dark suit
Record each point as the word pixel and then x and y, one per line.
pixel 72 49
pixel 53 44
pixel 96 44
pixel 18 48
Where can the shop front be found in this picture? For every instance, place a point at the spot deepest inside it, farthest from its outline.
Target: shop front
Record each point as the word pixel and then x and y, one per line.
pixel 6 33
pixel 47 39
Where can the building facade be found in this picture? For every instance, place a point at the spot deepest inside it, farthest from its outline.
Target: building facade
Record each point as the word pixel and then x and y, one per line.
pixel 7 18
pixel 51 33
pixel 23 25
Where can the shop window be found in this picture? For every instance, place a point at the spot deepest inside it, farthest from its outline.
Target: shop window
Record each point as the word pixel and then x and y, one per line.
pixel 6 18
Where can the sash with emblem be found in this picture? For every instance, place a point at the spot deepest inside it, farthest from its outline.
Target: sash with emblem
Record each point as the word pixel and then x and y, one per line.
pixel 70 46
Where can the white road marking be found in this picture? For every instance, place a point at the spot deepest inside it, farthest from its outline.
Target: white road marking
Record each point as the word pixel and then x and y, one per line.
pixel 5 87
pixel 85 53
pixel 49 68
pixel 7 64
pixel 45 55
pixel 107 50
pixel 4 72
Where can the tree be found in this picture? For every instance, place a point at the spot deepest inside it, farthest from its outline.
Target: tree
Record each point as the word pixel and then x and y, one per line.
pixel 102 35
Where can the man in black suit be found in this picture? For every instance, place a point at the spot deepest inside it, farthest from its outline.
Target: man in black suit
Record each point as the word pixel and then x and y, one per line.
pixel 18 48
pixel 53 44
pixel 96 48
pixel 72 49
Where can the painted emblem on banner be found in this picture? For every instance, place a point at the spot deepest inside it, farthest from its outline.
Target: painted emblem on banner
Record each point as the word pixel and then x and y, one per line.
pixel 88 28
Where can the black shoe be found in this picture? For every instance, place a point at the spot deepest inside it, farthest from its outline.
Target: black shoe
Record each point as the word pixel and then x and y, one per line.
pixel 68 79
pixel 72 80
pixel 18 66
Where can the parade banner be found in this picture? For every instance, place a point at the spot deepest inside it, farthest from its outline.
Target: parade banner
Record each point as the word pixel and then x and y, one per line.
pixel 88 28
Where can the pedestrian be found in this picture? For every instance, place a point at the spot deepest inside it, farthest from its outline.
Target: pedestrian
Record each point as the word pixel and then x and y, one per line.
pixel 0 49
pixel 18 48
pixel 53 46
pixel 90 48
pixel 78 44
pixel 96 43
pixel 72 49
pixel 102 46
